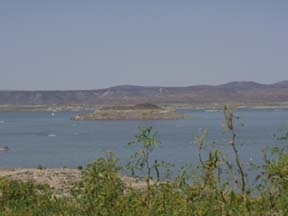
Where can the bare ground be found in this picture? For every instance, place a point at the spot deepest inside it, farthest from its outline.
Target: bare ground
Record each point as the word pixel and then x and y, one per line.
pixel 61 180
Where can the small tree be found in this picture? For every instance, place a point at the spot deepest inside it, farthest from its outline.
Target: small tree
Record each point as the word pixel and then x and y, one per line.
pixel 141 158
pixel 230 118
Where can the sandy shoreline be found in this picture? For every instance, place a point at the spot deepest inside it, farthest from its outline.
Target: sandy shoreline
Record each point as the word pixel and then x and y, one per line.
pixel 61 180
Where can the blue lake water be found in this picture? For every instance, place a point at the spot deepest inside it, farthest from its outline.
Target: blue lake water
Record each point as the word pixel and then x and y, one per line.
pixel 36 138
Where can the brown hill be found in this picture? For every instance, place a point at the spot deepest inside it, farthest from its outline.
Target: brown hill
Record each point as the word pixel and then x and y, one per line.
pixel 234 92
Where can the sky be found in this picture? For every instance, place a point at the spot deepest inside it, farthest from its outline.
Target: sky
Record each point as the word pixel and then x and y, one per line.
pixel 92 44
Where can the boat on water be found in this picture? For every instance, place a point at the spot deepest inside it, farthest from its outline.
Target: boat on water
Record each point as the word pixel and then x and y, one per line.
pixel 212 110
pixel 3 149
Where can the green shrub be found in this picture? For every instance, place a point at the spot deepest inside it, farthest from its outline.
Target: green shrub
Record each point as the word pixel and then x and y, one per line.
pixel 101 188
pixel 24 197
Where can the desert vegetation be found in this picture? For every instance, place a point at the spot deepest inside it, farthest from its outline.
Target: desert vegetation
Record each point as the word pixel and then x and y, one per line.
pixel 217 185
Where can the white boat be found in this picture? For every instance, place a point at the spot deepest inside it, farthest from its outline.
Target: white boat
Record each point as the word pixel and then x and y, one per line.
pixel 5 148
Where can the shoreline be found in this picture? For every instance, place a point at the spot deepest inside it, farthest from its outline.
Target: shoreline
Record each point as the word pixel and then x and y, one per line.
pixel 81 108
pixel 60 180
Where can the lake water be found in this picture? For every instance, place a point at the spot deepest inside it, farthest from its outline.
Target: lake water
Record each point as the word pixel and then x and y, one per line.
pixel 39 138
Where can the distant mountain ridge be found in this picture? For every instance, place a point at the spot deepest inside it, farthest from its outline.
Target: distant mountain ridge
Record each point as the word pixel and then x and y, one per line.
pixel 233 92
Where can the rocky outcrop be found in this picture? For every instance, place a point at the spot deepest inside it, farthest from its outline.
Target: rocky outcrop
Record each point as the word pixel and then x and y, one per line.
pixel 137 112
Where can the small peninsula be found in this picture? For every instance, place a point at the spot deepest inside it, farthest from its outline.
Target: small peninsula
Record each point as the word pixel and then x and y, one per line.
pixel 145 111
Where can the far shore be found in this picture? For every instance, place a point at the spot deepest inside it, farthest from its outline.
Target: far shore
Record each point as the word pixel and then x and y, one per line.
pixel 93 107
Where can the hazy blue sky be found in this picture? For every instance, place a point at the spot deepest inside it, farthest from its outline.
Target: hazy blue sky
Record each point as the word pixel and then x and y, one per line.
pixel 90 44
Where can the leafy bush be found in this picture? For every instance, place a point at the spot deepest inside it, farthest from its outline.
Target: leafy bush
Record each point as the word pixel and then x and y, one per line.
pixel 26 198
pixel 101 188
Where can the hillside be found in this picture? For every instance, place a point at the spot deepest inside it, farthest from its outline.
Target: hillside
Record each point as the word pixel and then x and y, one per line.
pixel 234 92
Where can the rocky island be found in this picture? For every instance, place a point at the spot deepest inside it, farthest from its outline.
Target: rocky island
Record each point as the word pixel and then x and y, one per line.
pixel 137 112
